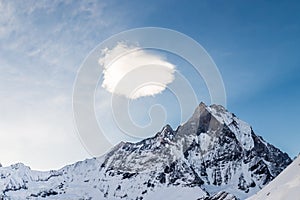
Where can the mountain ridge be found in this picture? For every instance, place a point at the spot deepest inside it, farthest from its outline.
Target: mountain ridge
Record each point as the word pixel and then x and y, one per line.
pixel 211 155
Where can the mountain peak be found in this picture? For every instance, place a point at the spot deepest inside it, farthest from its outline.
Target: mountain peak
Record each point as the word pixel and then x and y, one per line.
pixel 167 128
pixel 218 111
pixel 202 104
pixel 211 118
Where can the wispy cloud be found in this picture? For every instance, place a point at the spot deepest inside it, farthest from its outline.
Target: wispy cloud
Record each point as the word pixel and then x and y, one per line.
pixel 42 44
pixel 7 19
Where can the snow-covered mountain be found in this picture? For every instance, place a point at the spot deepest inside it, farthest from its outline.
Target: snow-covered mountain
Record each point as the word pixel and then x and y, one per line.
pixel 285 186
pixel 214 155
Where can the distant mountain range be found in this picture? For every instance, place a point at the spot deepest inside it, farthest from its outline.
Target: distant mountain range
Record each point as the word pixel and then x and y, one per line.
pixel 213 156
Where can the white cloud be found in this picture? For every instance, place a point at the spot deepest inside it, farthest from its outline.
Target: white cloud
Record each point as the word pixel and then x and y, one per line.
pixel 7 19
pixel 135 72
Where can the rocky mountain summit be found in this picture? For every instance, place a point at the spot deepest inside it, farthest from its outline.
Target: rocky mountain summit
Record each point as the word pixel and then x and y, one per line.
pixel 214 155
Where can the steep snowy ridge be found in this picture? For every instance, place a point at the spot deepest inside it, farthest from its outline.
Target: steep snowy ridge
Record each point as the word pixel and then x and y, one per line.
pixel 214 155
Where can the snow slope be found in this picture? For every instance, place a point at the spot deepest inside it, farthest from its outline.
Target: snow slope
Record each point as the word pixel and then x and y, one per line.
pixel 285 186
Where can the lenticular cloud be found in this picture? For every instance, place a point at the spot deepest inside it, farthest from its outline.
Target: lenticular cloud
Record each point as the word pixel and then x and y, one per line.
pixel 134 72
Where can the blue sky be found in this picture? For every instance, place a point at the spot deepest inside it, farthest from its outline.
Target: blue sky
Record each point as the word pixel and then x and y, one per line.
pixel 43 43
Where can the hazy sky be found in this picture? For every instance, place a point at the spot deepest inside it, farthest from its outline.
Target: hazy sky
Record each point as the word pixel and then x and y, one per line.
pixel 255 45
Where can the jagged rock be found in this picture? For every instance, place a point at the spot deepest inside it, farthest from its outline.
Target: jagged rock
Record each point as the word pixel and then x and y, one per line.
pixel 220 196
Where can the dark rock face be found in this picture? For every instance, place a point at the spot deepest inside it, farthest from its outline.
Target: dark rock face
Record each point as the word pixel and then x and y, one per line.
pixel 220 196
